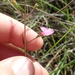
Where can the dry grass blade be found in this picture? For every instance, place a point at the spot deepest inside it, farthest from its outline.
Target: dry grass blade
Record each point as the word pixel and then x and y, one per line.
pixel 53 58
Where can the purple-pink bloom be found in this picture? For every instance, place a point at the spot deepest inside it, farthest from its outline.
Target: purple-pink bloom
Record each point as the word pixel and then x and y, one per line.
pixel 46 31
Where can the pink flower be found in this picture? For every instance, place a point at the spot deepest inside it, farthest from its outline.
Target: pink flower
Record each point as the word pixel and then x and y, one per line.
pixel 46 31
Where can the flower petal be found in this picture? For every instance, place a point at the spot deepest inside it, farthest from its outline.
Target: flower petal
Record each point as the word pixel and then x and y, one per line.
pixel 50 31
pixel 43 28
pixel 46 31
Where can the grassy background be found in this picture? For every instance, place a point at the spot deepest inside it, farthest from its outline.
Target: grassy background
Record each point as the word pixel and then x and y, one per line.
pixel 58 52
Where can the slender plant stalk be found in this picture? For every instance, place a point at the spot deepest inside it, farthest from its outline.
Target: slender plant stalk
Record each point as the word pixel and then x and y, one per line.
pixel 16 6
pixel 25 26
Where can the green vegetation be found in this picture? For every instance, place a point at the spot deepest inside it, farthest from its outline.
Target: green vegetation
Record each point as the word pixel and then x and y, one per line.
pixel 58 52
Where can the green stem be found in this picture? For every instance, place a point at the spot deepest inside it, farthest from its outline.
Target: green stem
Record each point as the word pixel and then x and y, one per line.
pixel 59 40
pixel 73 61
